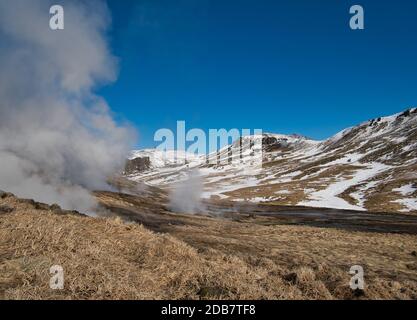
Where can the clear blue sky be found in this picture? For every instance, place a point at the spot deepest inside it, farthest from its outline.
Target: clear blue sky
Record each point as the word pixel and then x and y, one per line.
pixel 284 66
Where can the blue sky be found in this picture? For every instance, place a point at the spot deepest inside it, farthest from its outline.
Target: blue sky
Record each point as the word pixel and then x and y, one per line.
pixel 284 66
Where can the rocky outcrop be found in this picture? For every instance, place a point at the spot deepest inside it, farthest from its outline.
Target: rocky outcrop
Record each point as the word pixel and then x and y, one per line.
pixel 137 165
pixel 271 144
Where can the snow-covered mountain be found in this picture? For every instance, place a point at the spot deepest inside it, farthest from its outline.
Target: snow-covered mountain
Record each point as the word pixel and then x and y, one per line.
pixel 372 166
pixel 163 159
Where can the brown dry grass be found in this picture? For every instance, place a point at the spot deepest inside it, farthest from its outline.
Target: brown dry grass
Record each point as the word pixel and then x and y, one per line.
pixel 201 257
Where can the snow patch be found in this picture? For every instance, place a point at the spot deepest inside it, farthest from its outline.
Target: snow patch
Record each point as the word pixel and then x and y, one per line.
pixel 410 204
pixel 328 198
pixel 405 190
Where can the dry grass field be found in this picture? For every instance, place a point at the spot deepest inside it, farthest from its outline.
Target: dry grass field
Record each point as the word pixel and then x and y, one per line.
pixel 141 251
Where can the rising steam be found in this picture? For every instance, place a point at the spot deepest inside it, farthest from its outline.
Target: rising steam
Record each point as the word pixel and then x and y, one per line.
pixel 186 195
pixel 57 138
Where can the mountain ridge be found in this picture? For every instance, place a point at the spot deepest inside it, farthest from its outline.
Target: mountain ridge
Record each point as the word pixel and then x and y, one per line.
pixel 371 166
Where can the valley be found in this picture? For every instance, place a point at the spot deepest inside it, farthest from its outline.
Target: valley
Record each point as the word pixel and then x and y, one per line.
pixel 289 230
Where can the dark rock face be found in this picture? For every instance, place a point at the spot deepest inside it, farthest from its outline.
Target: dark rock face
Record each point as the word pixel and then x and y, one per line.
pixel 137 165
pixel 269 140
pixel 271 144
pixel 405 114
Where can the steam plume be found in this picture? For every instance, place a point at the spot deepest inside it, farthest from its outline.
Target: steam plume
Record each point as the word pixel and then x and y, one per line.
pixel 57 138
pixel 186 195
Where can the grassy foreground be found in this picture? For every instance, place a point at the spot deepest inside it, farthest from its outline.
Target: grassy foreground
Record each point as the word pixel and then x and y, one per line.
pixel 194 258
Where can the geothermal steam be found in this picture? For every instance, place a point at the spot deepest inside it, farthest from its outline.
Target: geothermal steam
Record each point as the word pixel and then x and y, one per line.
pixel 57 138
pixel 186 195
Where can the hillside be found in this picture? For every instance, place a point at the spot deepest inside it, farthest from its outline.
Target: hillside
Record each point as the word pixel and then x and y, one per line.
pixel 372 166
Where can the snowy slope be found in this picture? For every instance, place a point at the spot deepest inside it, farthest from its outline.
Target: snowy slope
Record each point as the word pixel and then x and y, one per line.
pixel 161 159
pixel 372 166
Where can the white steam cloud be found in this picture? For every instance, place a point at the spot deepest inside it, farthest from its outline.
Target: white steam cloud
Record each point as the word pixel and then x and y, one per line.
pixel 186 195
pixel 57 138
